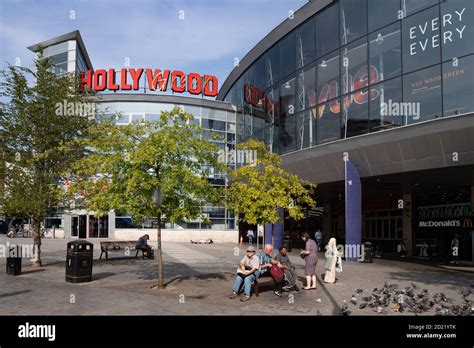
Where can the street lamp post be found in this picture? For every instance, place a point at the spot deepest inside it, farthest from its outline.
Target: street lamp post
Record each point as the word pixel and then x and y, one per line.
pixel 157 199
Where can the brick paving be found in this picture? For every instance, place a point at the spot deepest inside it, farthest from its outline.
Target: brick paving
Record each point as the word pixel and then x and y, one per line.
pixel 199 279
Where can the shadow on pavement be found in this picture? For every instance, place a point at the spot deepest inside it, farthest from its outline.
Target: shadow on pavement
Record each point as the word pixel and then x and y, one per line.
pixel 15 293
pixel 98 276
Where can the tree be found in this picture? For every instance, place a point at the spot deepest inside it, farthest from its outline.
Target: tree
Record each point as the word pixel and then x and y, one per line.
pixel 129 164
pixel 36 136
pixel 258 190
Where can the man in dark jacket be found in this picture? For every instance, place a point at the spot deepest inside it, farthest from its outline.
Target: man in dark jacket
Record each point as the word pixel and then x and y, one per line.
pixel 142 244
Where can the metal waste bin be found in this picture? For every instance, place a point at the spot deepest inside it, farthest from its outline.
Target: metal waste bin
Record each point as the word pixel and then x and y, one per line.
pixel 14 260
pixel 79 261
pixel 368 249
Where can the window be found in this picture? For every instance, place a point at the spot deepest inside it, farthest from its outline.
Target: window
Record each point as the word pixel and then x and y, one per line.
pixel 287 135
pixel 59 58
pixel 152 117
pixel 458 89
pixel 327 77
pixel 137 118
pixel 354 66
pixel 412 6
pixel 354 113
pixel 353 19
pixel 385 100
pixel 329 122
pixel 271 67
pixel 422 90
pixel 421 40
pixel 306 88
pixel 304 130
pixel 327 30
pixel 213 124
pixel 287 98
pixel 382 12
pixel 122 119
pixel 457 32
pixel 287 49
pixel 305 44
pixel 385 54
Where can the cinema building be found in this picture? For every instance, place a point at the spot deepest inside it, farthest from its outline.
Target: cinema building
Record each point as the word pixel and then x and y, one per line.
pixel 127 92
pixel 389 85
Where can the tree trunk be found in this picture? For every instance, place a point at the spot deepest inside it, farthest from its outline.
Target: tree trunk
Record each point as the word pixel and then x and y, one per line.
pixel 37 242
pixel 10 223
pixel 159 257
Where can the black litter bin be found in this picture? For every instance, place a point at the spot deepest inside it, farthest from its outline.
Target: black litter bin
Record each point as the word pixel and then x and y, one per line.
pixel 79 261
pixel 14 260
pixel 368 249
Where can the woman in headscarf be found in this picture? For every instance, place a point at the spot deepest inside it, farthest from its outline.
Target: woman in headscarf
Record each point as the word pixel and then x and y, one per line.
pixel 331 258
pixel 310 255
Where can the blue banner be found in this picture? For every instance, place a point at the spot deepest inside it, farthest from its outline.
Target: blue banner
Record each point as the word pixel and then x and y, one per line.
pixel 353 212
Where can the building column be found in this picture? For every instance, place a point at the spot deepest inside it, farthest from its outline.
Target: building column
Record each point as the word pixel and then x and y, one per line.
pixel 67 221
pixel 111 218
pixel 407 223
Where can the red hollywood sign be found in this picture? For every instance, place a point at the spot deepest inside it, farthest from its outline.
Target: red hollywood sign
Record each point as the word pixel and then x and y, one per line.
pixel 177 81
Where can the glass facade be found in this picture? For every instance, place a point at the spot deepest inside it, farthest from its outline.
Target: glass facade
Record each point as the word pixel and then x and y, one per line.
pixel 65 57
pixel 219 126
pixel 359 66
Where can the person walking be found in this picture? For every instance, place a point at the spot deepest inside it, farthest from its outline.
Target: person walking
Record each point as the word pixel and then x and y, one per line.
pixel 319 238
pixel 331 255
pixel 310 255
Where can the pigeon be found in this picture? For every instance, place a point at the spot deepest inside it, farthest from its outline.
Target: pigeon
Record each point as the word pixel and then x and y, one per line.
pixel 359 291
pixel 380 310
pixel 413 285
pixel 318 312
pixel 466 292
pixel 345 310
pixel 353 300
pixel 363 305
pixel 367 298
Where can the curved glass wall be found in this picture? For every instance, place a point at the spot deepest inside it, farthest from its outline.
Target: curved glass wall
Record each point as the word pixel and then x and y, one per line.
pixel 356 67
pixel 213 121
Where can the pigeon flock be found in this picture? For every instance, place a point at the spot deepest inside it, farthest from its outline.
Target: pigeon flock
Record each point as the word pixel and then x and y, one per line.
pixel 390 297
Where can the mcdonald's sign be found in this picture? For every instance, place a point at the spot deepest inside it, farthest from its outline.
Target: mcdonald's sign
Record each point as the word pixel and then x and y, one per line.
pixel 467 223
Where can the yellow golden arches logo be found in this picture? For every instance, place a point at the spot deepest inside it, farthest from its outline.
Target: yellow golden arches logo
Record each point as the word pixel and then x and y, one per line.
pixel 467 223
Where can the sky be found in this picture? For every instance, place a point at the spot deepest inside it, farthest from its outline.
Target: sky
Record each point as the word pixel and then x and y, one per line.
pixel 203 36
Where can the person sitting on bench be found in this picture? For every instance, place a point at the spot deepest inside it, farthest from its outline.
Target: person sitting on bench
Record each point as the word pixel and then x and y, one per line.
pixel 247 273
pixel 287 267
pixel 142 244
pixel 266 263
pixel 202 241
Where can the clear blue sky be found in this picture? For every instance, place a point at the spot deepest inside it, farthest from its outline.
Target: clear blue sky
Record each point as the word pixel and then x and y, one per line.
pixel 148 32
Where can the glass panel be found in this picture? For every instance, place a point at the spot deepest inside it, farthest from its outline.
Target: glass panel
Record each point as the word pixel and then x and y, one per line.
pixel 329 122
pixel 385 99
pixel 305 44
pixel 304 130
pixel 353 19
pixel 59 58
pixel 458 89
pixel 399 228
pixel 422 90
pixel 214 114
pixel 354 74
pixel 287 49
pixel 393 229
pixel 272 66
pixel 327 30
pixel 385 54
pixel 412 6
pixel 287 98
pixel 152 117
pixel 457 32
pixel 306 88
pixel 288 135
pixel 385 229
pixel 355 113
pixel 382 12
pixel 213 124
pixel 379 228
pixel 122 119
pixel 421 40
pixel 328 77
pixel 137 118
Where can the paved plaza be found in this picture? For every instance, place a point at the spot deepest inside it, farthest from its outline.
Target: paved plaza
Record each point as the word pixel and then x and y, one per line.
pixel 199 280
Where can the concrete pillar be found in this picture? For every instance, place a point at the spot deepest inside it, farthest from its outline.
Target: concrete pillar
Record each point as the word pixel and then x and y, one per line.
pixel 67 221
pixel 111 224
pixel 407 223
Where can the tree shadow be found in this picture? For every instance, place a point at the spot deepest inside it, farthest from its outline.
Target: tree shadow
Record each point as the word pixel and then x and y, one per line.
pixel 33 271
pixel 103 275
pixel 15 293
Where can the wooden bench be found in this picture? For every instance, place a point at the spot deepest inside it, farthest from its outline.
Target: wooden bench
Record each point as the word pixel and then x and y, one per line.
pixel 105 247
pixel 256 285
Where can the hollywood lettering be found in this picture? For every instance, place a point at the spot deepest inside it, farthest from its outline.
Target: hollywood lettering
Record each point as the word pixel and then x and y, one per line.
pixel 177 81
pixel 328 91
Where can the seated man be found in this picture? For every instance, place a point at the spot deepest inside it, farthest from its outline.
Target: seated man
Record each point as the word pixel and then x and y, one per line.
pixel 288 269
pixel 142 245
pixel 401 250
pixel 266 263
pixel 247 273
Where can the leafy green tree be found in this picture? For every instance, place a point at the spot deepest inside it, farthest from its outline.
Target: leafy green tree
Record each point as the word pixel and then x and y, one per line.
pixel 148 169
pixel 36 136
pixel 258 190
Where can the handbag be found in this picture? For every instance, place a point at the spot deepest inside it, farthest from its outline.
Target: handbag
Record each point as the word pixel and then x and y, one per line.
pixel 277 274
pixel 339 265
